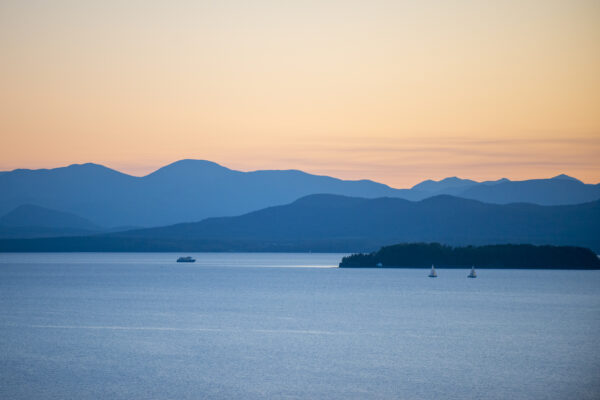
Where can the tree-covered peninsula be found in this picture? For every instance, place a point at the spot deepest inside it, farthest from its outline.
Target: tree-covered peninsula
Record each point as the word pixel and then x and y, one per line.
pixel 516 256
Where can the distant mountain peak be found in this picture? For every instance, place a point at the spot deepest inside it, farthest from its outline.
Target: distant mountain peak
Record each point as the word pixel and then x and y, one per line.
pixel 566 177
pixel 86 165
pixel 195 163
pixel 450 182
pixel 501 180
pixel 189 166
pixel 72 169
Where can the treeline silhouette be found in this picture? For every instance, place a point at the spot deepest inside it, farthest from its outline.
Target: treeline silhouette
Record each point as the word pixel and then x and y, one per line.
pixel 414 255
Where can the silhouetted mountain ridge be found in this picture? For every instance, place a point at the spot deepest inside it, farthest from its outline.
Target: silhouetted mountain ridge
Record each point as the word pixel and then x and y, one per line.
pixel 187 190
pixel 349 224
pixel 566 177
pixel 192 190
pixel 442 218
pixel 32 215
pixel 445 184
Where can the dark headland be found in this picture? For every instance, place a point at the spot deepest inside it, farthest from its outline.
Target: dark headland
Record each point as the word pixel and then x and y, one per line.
pixel 502 256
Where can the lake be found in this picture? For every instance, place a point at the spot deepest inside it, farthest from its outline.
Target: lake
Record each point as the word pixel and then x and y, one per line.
pixel 290 326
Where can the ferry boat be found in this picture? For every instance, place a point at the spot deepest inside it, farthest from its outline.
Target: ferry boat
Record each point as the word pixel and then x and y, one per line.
pixel 433 273
pixel 472 274
pixel 186 259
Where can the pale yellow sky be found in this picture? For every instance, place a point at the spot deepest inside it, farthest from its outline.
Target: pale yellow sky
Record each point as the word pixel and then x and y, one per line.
pixel 393 91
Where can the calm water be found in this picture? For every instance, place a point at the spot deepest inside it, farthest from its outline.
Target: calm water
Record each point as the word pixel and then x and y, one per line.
pixel 254 326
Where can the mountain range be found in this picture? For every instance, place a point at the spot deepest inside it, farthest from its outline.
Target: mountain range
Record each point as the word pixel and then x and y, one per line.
pixel 192 190
pixel 350 224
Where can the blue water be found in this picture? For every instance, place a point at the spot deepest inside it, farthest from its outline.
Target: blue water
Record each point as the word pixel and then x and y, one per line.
pixel 256 326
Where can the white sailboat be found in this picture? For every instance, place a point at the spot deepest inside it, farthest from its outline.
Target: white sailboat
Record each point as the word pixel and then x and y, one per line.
pixel 472 274
pixel 433 273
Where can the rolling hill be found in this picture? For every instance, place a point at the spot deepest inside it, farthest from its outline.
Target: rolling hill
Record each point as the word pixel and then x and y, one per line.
pixel 348 224
pixel 34 221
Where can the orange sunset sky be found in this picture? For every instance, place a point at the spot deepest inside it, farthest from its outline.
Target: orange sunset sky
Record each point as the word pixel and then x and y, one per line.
pixel 395 91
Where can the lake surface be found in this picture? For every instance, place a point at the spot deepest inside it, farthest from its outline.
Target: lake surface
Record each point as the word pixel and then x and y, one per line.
pixel 261 326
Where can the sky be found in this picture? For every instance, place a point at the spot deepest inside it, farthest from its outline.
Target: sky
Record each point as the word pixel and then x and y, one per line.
pixel 394 91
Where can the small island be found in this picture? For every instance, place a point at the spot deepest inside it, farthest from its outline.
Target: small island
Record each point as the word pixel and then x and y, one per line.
pixel 500 256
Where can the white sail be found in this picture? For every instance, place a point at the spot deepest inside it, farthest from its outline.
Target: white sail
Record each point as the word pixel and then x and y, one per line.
pixel 472 274
pixel 433 273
